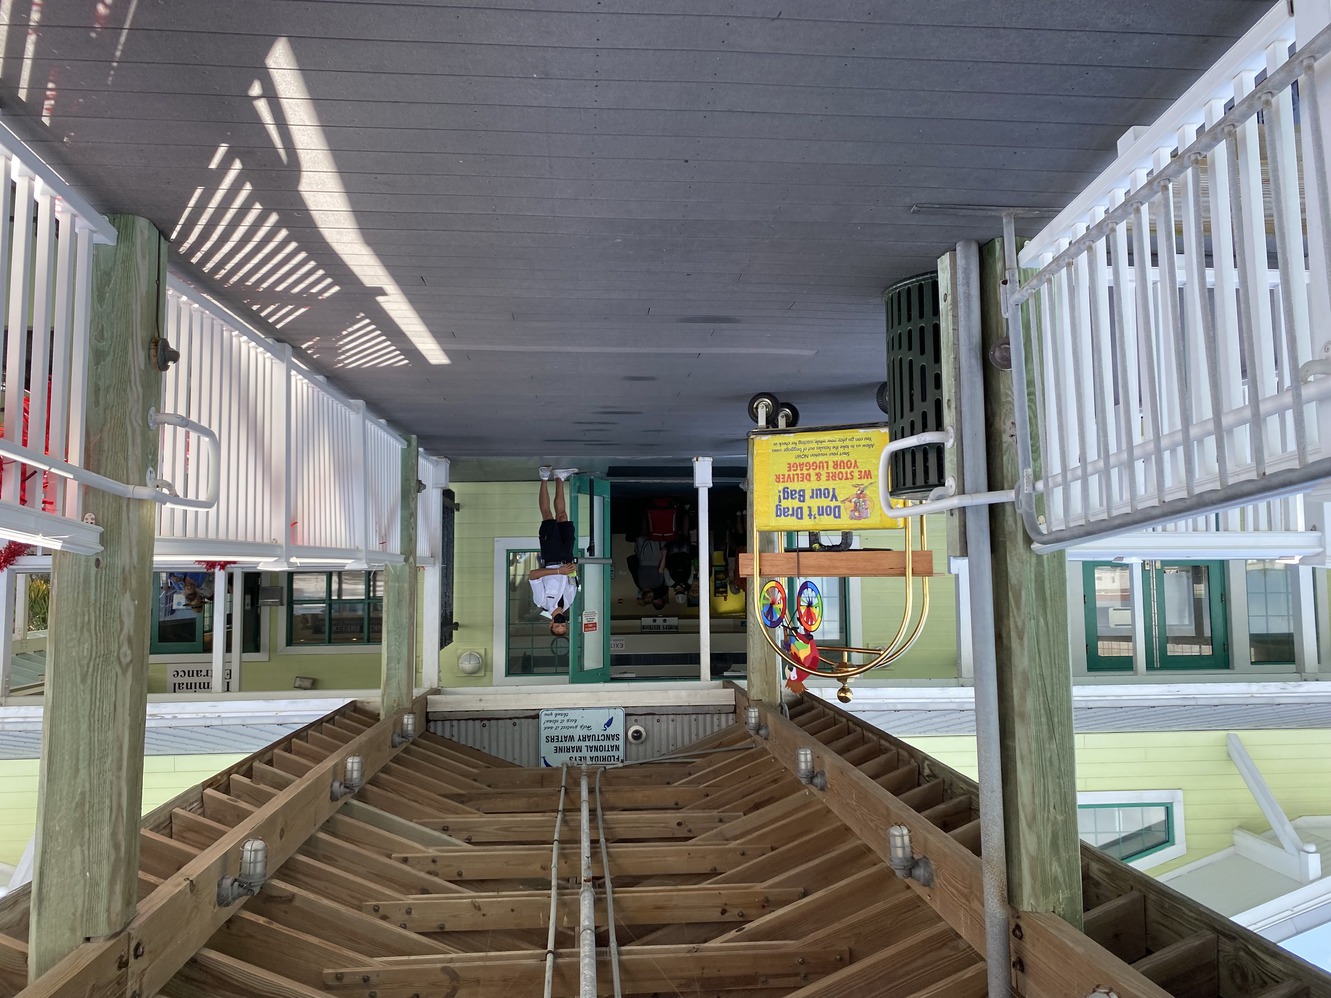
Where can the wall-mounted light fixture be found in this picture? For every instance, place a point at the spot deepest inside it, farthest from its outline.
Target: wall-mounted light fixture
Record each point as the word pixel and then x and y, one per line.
pixel 352 776
pixel 253 872
pixel 753 720
pixel 804 771
pixel 901 857
pixel 406 732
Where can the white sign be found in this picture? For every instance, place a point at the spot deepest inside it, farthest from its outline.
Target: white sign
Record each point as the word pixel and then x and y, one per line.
pixel 660 624
pixel 590 621
pixel 194 679
pixel 616 644
pixel 592 736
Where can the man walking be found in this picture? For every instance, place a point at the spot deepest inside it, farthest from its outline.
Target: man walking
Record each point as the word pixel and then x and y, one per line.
pixel 554 586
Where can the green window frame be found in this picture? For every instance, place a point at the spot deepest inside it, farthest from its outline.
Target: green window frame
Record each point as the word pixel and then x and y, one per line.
pixel 334 609
pixel 1132 830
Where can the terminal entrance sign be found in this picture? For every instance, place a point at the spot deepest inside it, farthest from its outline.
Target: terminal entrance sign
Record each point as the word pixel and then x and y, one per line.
pixel 582 736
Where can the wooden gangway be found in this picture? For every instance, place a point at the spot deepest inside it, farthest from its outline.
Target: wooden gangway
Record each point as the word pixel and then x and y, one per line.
pixel 730 876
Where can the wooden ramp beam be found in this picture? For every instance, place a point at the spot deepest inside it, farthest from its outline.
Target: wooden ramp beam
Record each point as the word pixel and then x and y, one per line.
pixel 639 860
pixel 643 969
pixel 531 909
pixel 530 828
pixel 180 916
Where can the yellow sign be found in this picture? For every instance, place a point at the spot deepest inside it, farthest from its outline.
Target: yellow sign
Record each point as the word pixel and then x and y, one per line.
pixel 821 480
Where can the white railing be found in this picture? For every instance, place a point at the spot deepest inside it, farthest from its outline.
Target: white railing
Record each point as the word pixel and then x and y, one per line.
pixel 307 476
pixel 1173 335
pixel 46 270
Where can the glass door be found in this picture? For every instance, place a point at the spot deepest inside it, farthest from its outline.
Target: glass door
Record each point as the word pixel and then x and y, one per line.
pixel 1187 601
pixel 1109 631
pixel 589 630
pixel 1186 624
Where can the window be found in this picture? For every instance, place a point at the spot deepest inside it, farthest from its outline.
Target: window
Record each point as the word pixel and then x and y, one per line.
pixel 1142 828
pixel 335 608
pixel 184 613
pixel 531 649
pixel 447 548
pixel 1270 612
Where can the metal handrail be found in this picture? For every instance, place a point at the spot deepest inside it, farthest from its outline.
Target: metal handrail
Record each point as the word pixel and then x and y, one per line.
pixel 609 891
pixel 554 885
pixel 586 906
pixel 158 490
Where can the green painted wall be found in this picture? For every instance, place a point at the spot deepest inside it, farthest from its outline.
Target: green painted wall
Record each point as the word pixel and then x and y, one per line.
pixel 1296 764
pixel 934 655
pixel 489 510
pixel 164 776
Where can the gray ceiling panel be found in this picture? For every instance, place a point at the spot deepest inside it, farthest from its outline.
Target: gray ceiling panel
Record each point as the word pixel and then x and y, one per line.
pixel 566 192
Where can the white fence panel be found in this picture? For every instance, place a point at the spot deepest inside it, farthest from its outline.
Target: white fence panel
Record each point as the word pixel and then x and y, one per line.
pixel 1175 370
pixel 46 241
pixel 307 477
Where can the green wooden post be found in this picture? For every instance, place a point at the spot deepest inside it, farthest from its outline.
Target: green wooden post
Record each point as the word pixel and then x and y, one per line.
pixel 762 677
pixel 1034 670
pixel 85 873
pixel 399 648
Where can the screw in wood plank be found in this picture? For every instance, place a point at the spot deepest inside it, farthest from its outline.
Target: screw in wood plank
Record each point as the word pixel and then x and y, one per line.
pixel 122 962
pixel 1017 931
pixel 408 911
pixel 338 976
pixel 138 951
pixel 365 978
pixel 376 909
pixel 1019 966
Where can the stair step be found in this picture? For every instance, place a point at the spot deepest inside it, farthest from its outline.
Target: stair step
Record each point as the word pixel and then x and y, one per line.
pixel 1188 968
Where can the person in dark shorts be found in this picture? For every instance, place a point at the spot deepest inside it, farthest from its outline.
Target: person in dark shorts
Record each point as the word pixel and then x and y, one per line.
pixel 553 586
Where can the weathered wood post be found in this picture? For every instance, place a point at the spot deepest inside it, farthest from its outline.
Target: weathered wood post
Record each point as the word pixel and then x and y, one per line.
pixel 400 639
pixel 1034 671
pixel 85 874
pixel 761 676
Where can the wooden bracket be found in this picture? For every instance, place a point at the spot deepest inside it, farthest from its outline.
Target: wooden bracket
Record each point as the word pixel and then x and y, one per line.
pixel 839 564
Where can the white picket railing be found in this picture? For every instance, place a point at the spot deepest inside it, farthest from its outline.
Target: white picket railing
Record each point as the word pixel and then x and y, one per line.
pixel 1178 369
pixel 45 265
pixel 308 477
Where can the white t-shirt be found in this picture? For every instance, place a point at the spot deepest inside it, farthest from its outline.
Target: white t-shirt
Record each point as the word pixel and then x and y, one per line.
pixel 547 591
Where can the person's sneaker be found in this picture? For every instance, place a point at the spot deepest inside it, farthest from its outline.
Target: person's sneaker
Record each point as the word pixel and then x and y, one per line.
pixel 545 471
pixel 564 474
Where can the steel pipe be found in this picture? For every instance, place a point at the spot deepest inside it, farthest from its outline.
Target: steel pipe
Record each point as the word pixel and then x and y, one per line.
pixel 609 890
pixel 554 885
pixel 586 906
pixel 979 556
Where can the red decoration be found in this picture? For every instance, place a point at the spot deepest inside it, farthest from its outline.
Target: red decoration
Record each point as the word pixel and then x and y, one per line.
pixel 215 566
pixel 11 553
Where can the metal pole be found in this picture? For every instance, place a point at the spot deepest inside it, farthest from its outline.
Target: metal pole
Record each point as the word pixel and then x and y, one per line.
pixel 554 885
pixel 586 907
pixel 237 629
pixel 609 890
pixel 702 479
pixel 975 476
